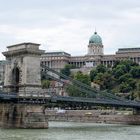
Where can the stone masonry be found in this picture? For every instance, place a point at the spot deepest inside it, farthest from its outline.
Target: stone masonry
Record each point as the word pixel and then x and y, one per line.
pixel 22 72
pixel 22 116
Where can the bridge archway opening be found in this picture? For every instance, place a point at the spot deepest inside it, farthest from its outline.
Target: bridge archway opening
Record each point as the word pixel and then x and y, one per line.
pixel 15 79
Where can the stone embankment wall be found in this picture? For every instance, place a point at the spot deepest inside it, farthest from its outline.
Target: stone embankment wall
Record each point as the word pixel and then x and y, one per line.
pixel 94 116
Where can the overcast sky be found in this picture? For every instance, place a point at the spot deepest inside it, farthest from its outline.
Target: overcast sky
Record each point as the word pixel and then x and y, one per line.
pixel 68 24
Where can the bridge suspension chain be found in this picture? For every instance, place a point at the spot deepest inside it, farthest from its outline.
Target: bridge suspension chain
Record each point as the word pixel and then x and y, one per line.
pixel 80 89
pixel 83 86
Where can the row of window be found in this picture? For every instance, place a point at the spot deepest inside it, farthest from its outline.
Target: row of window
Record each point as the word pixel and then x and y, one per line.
pixel 53 58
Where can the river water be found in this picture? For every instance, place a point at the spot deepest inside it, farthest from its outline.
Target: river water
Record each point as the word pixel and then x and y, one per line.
pixel 74 131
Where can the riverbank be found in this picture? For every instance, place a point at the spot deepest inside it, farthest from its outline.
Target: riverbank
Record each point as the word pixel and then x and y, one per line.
pixel 94 116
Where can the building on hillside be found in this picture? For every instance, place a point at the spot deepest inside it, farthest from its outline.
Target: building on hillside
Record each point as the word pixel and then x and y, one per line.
pixel 55 60
pixel 94 56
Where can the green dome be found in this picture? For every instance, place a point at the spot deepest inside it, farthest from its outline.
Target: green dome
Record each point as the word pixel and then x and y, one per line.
pixel 96 39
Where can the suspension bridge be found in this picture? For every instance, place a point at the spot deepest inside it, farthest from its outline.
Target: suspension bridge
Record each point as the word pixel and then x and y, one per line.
pixel 23 102
pixel 94 98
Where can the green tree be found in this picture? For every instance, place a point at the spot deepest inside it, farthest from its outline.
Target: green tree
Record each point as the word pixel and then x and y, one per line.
pixel 135 71
pixel 124 87
pixel 122 67
pixel 84 78
pixel 99 80
pixel 106 80
pixel 66 70
pixel 109 80
pixel 116 63
pixel 45 83
pixel 119 70
pixel 101 68
pixel 132 83
pixel 73 90
pixel 124 77
pixel 128 63
pixel 93 74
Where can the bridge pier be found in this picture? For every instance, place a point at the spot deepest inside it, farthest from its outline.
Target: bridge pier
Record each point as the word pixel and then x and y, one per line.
pixel 22 116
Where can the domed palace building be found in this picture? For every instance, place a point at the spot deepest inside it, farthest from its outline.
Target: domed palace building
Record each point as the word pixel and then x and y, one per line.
pixel 95 56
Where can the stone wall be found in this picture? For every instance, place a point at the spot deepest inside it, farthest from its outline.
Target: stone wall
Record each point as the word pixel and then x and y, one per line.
pixel 22 116
pixel 94 116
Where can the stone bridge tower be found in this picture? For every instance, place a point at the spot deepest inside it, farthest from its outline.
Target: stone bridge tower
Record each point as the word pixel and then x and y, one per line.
pixel 22 72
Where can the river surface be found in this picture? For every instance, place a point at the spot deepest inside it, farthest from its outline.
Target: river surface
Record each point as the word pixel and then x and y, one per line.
pixel 74 131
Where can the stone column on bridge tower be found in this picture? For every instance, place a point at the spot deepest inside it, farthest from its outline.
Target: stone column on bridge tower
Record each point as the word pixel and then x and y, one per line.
pixel 22 72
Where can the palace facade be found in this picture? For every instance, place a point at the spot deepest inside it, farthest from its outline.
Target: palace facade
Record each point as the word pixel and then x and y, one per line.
pixel 95 56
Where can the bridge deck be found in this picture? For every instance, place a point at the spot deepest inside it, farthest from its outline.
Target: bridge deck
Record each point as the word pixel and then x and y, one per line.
pixel 68 101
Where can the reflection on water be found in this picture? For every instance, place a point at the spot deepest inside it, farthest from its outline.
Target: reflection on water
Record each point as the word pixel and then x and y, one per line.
pixel 74 131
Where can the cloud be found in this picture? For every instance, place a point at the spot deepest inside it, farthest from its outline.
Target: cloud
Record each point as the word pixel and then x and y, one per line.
pixel 61 37
pixel 68 25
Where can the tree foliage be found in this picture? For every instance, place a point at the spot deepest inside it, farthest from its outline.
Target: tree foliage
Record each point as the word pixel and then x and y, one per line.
pixel 101 69
pixel 135 71
pixel 45 83
pixel 84 78
pixel 66 70
pixel 93 74
pixel 123 77
pixel 73 90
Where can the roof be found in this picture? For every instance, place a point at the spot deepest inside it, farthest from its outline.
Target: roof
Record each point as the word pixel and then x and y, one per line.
pixel 128 50
pixel 25 43
pixel 57 53
pixel 95 39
